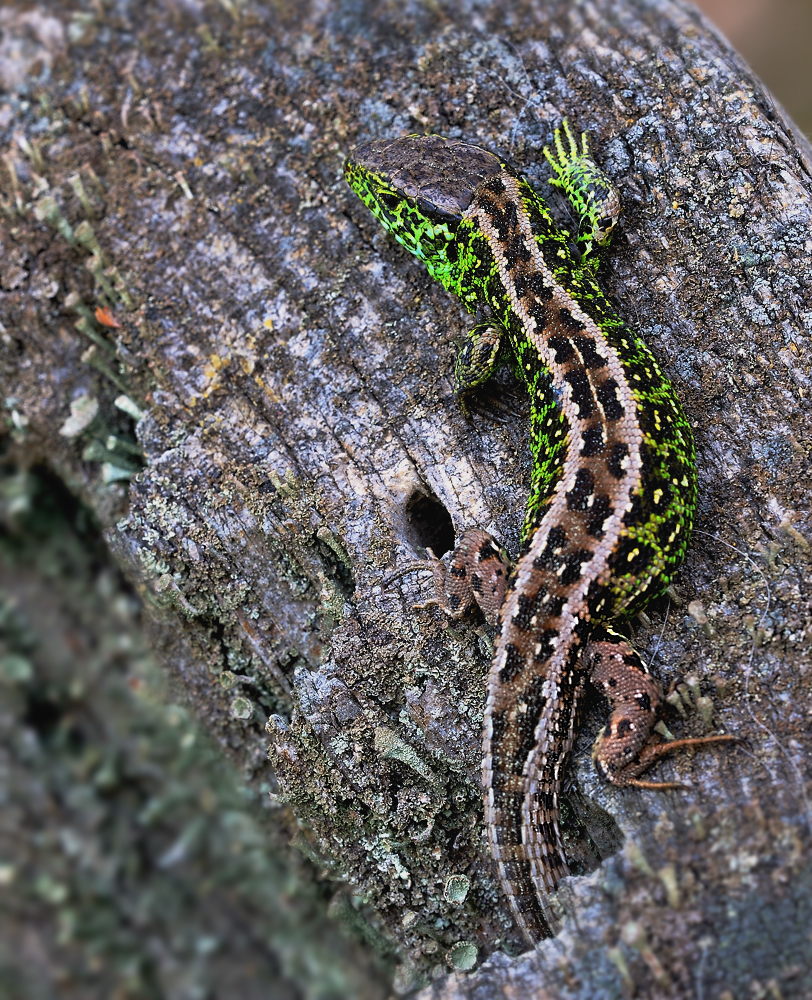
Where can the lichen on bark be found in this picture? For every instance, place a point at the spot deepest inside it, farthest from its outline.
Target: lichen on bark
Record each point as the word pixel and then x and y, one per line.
pixel 300 441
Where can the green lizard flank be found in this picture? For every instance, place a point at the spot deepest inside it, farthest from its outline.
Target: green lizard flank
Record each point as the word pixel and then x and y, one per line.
pixel 613 486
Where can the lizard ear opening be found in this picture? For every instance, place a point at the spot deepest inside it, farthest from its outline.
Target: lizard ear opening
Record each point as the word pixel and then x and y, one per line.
pixel 429 523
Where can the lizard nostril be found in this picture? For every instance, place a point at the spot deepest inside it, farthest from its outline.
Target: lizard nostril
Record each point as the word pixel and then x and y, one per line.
pixel 429 523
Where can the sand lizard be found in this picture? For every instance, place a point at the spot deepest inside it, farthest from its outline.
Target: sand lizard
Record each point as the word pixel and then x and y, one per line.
pixel 613 486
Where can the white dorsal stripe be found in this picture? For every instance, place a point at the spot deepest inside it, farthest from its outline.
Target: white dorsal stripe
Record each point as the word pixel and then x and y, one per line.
pixel 625 430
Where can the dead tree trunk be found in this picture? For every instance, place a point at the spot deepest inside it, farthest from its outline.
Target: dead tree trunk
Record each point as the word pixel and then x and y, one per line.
pixel 177 241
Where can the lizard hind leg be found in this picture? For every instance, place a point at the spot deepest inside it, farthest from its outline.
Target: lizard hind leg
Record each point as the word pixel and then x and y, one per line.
pixel 477 575
pixel 625 747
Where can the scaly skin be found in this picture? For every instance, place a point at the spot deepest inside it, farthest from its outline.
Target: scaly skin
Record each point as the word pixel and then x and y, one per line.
pixel 613 488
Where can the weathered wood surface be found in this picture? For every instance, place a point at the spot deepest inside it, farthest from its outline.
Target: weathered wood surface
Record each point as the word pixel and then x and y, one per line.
pixel 301 441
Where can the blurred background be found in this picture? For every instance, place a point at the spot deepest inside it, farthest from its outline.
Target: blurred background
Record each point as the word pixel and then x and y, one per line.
pixel 775 37
pixel 135 862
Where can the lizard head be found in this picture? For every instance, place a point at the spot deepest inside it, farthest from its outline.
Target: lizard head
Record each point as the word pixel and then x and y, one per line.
pixel 418 187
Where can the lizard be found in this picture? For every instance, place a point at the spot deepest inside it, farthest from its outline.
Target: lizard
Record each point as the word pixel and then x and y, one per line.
pixel 613 483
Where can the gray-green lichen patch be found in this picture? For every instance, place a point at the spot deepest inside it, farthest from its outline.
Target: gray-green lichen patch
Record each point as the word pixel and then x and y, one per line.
pixel 462 956
pixel 456 888
pixel 389 744
pixel 241 708
pixel 15 669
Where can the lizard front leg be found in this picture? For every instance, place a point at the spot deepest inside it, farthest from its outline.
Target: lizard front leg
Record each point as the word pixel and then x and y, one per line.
pixel 625 747
pixel 477 360
pixel 589 190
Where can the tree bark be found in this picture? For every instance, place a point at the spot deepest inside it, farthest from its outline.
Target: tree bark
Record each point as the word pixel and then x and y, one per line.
pixel 177 173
